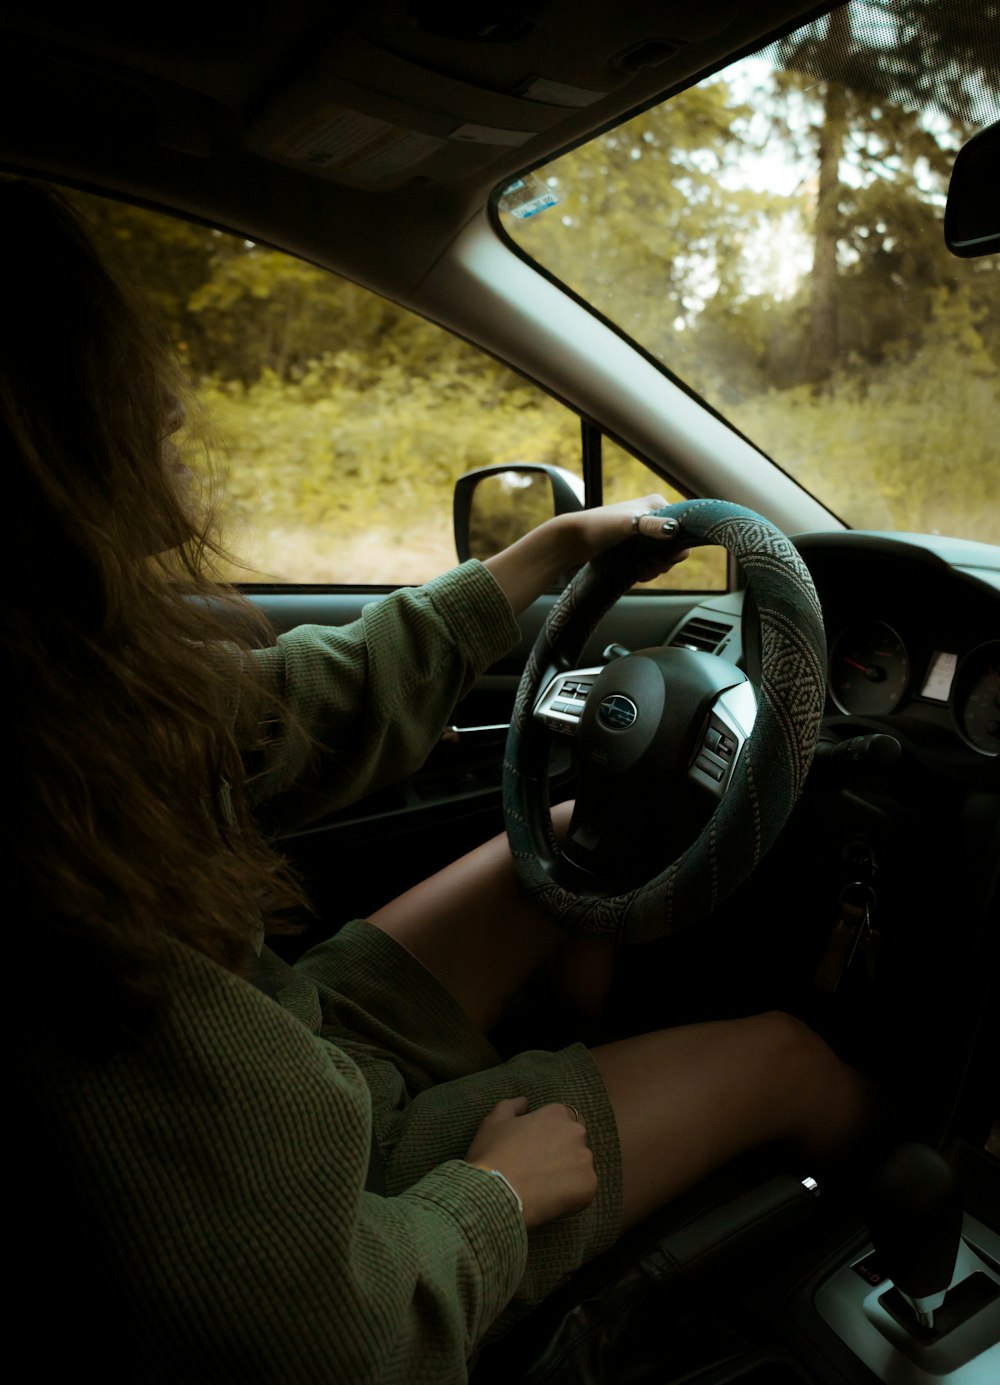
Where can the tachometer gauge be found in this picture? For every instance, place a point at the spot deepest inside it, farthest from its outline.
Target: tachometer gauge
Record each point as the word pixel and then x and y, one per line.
pixel 976 697
pixel 869 669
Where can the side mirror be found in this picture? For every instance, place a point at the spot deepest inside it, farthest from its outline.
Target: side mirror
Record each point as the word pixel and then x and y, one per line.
pixel 496 505
pixel 972 212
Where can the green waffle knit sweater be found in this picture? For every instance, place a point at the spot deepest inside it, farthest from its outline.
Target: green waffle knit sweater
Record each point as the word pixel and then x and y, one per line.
pixel 202 1215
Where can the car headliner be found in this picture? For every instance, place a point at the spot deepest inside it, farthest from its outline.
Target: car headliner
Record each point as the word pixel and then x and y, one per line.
pixel 197 110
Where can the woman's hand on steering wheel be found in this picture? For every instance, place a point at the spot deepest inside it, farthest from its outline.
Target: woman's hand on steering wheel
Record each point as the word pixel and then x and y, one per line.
pixel 535 563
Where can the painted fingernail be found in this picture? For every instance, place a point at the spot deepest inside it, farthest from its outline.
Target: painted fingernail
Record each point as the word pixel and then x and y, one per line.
pixel 669 526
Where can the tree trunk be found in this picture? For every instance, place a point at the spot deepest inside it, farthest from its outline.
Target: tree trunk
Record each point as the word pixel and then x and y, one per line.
pixel 823 342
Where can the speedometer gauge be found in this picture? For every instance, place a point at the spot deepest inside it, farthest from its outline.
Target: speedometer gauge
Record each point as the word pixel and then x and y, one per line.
pixel 976 699
pixel 869 669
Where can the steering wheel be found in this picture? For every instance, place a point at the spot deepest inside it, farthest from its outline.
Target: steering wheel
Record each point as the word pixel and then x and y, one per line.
pixel 683 765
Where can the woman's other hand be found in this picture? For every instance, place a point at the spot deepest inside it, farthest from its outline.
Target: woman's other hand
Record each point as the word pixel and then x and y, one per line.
pixel 543 1154
pixel 535 563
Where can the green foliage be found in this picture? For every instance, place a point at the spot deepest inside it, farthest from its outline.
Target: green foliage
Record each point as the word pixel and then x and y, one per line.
pixel 346 421
pixel 329 472
pixel 880 450
pixel 828 322
pixel 645 228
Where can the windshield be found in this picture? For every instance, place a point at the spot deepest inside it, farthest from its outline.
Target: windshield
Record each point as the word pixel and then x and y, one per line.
pixel 773 235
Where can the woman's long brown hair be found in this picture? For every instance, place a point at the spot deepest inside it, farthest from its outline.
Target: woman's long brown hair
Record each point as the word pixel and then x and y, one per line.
pixel 120 656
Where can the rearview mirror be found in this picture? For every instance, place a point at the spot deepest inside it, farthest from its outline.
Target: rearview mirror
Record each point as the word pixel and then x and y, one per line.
pixel 972 213
pixel 496 505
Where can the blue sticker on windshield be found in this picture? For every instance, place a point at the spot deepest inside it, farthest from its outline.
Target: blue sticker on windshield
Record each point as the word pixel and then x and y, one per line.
pixel 527 197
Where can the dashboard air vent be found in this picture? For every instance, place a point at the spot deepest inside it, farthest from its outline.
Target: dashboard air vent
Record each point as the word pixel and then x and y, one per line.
pixel 698 633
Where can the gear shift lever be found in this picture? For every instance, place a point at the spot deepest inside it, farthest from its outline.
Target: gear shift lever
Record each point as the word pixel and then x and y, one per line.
pixel 915 1221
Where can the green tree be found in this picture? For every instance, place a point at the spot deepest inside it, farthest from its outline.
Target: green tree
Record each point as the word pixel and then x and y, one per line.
pixel 881 163
pixel 644 207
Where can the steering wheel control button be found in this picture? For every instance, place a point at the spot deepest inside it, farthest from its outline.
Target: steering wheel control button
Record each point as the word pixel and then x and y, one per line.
pixel 710 767
pixel 618 712
pixel 564 700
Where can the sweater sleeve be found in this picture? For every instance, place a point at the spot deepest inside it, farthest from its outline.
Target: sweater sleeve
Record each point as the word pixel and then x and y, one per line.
pixel 222 1179
pixel 366 702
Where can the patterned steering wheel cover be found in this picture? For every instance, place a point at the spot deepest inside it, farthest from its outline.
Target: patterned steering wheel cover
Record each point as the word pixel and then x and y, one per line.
pixel 769 774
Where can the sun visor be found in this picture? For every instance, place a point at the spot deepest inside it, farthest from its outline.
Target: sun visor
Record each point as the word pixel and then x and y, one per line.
pixel 339 119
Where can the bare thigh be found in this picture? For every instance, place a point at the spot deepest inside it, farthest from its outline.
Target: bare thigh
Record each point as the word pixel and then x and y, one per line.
pixel 688 1100
pixel 473 926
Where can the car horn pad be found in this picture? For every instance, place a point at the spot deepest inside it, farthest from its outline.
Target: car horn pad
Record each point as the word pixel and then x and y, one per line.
pixel 769 774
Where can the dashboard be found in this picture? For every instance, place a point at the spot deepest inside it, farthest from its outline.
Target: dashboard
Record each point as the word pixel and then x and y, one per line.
pixel 912 627
pixel 913 637
pixel 872 672
pixel 877 904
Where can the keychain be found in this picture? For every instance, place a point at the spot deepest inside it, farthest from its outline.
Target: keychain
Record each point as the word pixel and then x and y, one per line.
pixel 852 934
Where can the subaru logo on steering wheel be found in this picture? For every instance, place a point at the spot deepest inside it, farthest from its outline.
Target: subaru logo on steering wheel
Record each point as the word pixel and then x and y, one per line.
pixel 618 711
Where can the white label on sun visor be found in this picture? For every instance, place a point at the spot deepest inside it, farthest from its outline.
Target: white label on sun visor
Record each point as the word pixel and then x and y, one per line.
pixel 338 138
pixel 404 149
pixel 560 93
pixel 487 134
pixel 359 144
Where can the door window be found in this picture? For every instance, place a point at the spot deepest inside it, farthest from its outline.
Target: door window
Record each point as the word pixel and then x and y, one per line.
pixel 340 422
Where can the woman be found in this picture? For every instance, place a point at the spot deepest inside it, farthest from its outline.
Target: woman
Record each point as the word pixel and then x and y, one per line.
pixel 241 1170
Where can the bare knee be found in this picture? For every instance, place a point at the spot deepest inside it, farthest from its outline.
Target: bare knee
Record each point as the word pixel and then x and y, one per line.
pixel 827 1103
pixel 784 1037
pixel 792 1055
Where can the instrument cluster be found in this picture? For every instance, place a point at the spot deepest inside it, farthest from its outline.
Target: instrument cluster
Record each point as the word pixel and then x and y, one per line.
pixel 872 672
pixel 913 633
